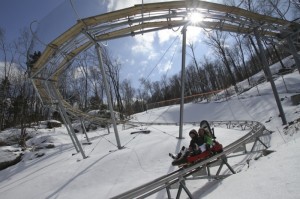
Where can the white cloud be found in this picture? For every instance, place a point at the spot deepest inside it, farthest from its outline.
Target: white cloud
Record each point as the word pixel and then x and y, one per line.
pixel 144 45
pixel 143 68
pixel 144 51
pixel 120 4
pixel 166 35
pixel 163 68
pixel 129 76
pixel 193 34
pixel 130 61
pixel 117 4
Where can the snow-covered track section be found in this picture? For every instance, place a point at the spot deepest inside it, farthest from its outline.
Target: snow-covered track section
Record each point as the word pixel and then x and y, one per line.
pixel 180 176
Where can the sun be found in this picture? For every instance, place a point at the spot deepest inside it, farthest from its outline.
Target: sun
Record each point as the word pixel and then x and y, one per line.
pixel 195 17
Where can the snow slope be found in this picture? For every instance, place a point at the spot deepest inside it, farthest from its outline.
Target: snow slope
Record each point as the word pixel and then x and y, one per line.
pixel 108 171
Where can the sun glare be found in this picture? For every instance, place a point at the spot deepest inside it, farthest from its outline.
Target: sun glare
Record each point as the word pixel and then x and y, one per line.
pixel 195 17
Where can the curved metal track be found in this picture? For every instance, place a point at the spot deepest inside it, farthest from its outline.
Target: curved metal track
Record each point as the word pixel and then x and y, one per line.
pixel 139 19
pixel 165 182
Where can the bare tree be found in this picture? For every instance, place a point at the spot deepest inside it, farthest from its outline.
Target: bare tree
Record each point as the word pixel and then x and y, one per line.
pixel 175 88
pixel 217 40
pixel 26 108
pixel 194 60
pixel 242 57
pixel 97 88
pixel 165 87
pixel 7 54
pixel 233 58
pixel 147 87
pixel 128 93
pixel 201 80
pixel 113 68
pixel 157 92
pixel 83 64
pixel 7 91
pixel 26 58
pixel 296 7
pixel 4 51
pixel 142 98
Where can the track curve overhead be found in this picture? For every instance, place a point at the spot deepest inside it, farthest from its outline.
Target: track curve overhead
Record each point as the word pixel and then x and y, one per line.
pixel 140 19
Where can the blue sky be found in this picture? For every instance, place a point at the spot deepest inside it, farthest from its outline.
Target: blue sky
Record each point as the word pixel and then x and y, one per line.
pixel 17 14
pixel 141 56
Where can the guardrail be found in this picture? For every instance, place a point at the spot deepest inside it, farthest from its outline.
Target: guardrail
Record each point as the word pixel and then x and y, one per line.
pixel 178 176
pixel 187 99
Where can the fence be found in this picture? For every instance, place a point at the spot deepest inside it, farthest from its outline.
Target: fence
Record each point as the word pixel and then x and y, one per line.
pixel 187 99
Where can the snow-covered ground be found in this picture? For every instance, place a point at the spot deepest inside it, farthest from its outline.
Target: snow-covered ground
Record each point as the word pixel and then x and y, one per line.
pixel 56 173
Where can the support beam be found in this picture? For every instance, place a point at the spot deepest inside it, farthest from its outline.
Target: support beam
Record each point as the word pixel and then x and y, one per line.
pixel 224 161
pixel 168 192
pixel 294 52
pixel 84 130
pixel 182 183
pixel 255 142
pixel 68 129
pixel 269 75
pixel 262 142
pixel 63 116
pixel 229 167
pixel 182 80
pixel 68 124
pixel 179 192
pixel 112 114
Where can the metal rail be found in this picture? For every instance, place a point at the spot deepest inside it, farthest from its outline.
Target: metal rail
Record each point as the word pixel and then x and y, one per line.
pixel 131 21
pixel 139 19
pixel 164 182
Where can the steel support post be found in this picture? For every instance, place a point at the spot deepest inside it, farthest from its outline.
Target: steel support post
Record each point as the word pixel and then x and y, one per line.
pixel 224 161
pixel 168 192
pixel 182 184
pixel 68 123
pixel 294 52
pixel 36 91
pixel 84 130
pixel 108 131
pixel 254 144
pixel 220 168
pixel 112 114
pixel 245 148
pixel 208 171
pixel 229 167
pixel 262 143
pixel 63 118
pixel 182 80
pixel 179 191
pixel 68 129
pixel 269 75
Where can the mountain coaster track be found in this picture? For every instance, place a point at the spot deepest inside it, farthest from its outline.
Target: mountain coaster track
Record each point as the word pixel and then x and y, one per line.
pixel 139 19
pixel 179 176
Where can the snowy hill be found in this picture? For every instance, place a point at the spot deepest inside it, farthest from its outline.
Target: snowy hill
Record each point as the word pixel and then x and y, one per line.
pixel 56 173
